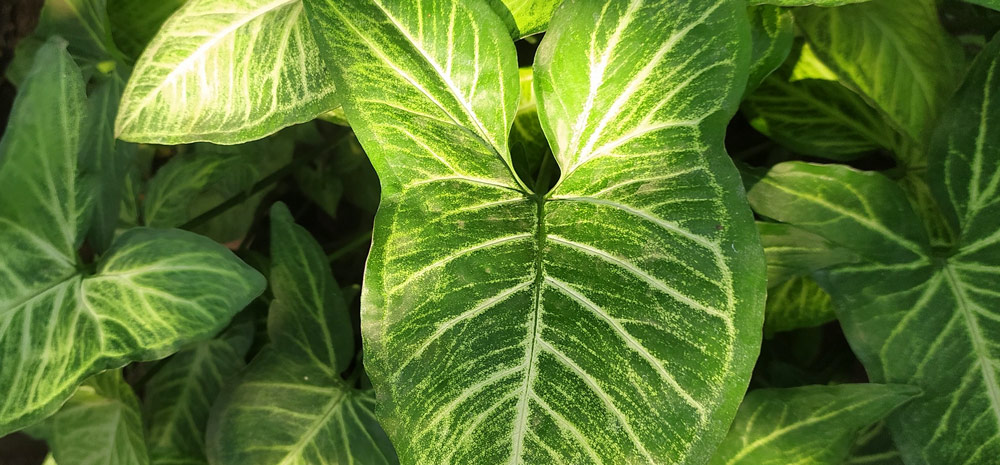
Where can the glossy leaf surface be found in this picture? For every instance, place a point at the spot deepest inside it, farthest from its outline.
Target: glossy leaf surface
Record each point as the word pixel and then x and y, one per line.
pixel 489 289
pixel 226 71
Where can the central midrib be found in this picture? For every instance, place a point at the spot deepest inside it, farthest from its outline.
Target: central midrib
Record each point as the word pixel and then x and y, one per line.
pixel 522 405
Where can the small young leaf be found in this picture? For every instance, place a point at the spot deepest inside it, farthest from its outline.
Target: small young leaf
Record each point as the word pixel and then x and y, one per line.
pixel 525 17
pixel 796 303
pixel 226 71
pixel 809 424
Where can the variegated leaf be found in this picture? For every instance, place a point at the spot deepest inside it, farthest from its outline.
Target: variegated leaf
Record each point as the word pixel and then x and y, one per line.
pixel 644 249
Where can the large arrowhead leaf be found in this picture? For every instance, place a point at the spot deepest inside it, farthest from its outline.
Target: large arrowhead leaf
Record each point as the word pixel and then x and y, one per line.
pixel 645 248
pixel 292 393
pixel 99 425
pixel 153 290
pixel 930 319
pixel 810 424
pixel 226 71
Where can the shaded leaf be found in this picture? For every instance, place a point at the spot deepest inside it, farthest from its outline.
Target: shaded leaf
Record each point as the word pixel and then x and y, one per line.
pixel 809 424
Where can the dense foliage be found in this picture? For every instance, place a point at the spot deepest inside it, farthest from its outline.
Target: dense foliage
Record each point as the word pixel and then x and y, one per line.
pixel 276 232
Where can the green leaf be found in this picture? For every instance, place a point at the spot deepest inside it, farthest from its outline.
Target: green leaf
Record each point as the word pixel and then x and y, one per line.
pixel 861 211
pixel 525 17
pixel 815 116
pixel 179 397
pixel 792 252
pixel 105 158
pixel 291 406
pixel 85 26
pixel 99 425
pixel 195 182
pixel 306 296
pixel 818 3
pixel 796 303
pixel 772 33
pixel 226 71
pixel 994 4
pixel 478 291
pixel 135 22
pixel 874 447
pixel 906 319
pixel 153 290
pixel 809 424
pixel 895 54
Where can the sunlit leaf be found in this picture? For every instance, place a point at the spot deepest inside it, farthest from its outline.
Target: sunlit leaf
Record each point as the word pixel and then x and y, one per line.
pixel 479 292
pixel 226 71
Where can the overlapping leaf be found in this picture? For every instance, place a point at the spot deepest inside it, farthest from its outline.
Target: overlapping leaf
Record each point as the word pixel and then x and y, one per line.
pixel 772 34
pixel 917 309
pixel 525 17
pixel 644 249
pixel 226 71
pixel 908 76
pixel 291 405
pixel 152 291
pixel 810 424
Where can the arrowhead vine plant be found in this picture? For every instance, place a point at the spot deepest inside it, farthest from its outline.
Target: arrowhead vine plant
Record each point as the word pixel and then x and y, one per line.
pixel 277 232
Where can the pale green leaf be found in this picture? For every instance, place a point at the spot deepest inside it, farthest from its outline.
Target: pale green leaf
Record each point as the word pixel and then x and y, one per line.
pixel 895 54
pixel 797 303
pixel 226 71
pixel 291 405
pixel 525 17
pixel 179 397
pixel 99 425
pixel 814 425
pixel 478 291
pixel 135 22
pixel 772 33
